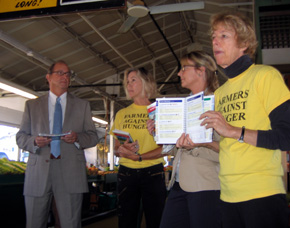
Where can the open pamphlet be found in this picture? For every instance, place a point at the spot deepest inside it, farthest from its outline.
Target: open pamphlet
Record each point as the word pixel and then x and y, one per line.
pixel 122 136
pixel 174 116
pixel 54 135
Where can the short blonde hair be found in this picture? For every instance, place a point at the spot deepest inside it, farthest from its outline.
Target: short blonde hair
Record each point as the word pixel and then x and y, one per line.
pixel 149 87
pixel 242 26
pixel 201 58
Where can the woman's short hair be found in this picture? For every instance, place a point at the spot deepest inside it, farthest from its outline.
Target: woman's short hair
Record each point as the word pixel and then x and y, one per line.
pixel 149 87
pixel 243 27
pixel 201 58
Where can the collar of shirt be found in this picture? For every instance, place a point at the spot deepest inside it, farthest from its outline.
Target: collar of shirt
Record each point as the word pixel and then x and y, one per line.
pixel 238 67
pixel 52 97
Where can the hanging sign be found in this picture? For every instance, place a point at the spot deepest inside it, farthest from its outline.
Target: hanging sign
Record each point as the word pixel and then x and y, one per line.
pixel 13 9
pixel 20 5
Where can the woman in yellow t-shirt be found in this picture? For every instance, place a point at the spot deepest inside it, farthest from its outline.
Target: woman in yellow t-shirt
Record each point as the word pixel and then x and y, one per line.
pixel 252 117
pixel 141 173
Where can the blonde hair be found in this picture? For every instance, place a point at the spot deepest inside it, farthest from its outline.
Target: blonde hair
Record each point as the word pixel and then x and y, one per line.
pixel 149 87
pixel 243 27
pixel 201 58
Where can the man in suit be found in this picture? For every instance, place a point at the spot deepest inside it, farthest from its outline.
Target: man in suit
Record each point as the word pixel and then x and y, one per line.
pixel 64 176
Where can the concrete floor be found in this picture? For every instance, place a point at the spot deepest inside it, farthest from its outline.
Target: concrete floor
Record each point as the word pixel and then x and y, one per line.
pixel 109 222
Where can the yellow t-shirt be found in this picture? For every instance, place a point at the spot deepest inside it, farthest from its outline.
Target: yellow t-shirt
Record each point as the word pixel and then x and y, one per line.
pixel 248 172
pixel 133 119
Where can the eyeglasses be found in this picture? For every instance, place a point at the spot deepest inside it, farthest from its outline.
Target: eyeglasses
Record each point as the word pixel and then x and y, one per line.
pixel 61 73
pixel 183 68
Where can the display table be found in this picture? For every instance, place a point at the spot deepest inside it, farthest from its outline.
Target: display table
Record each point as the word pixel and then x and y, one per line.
pixel 102 194
pixel 12 208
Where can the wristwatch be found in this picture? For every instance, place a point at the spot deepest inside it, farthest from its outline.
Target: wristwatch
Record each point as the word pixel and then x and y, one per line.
pixel 241 139
pixel 140 158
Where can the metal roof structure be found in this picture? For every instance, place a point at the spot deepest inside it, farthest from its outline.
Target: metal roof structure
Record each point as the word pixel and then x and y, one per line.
pixel 98 53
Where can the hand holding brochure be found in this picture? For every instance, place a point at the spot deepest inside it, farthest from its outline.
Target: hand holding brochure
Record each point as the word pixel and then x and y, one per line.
pixel 122 136
pixel 175 116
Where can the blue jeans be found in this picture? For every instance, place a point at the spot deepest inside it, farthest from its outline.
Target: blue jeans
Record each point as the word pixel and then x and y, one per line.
pixel 191 209
pixel 145 185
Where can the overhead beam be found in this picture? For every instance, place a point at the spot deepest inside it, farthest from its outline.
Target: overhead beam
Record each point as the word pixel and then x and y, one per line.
pixel 35 55
pixel 104 38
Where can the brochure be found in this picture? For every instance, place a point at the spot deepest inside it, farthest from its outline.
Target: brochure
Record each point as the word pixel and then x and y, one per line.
pixel 175 116
pixel 54 135
pixel 152 114
pixel 151 110
pixel 122 136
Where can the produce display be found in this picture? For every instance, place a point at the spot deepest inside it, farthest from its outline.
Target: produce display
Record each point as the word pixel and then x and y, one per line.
pixel 16 167
pixel 106 172
pixel 168 168
pixel 11 167
pixel 94 171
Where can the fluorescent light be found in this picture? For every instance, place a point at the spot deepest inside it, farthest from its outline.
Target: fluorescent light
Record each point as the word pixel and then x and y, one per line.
pixel 17 91
pixel 99 120
pixel 71 2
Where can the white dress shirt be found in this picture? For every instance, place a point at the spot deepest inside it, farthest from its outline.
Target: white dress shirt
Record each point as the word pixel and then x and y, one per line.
pixel 51 106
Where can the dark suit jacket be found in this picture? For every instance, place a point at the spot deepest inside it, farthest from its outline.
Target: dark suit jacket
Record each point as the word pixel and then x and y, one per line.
pixel 73 163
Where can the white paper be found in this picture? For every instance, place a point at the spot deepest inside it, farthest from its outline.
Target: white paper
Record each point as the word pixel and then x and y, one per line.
pixel 54 135
pixel 169 119
pixel 193 110
pixel 175 116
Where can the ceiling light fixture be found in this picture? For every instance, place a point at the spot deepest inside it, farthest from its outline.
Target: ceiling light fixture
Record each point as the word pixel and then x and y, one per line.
pixel 99 120
pixel 13 88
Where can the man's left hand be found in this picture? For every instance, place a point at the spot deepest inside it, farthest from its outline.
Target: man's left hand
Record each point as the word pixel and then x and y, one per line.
pixel 71 138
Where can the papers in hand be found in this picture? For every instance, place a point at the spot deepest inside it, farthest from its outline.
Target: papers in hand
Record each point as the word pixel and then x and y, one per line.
pixel 175 116
pixel 54 135
pixel 122 136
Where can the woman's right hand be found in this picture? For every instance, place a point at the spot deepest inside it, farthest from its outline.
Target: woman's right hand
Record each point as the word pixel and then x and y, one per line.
pixel 125 152
pixel 215 120
pixel 150 126
pixel 134 147
pixel 185 142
